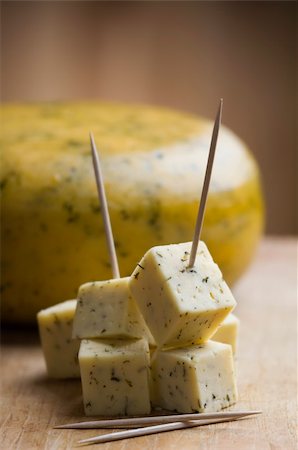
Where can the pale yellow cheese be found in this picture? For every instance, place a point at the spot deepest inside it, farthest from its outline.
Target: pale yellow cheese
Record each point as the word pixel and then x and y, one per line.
pixel 227 332
pixel 198 378
pixel 115 376
pixel 180 305
pixel 59 348
pixel 106 309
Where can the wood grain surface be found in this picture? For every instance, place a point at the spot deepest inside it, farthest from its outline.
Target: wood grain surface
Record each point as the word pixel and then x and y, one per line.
pixel 31 404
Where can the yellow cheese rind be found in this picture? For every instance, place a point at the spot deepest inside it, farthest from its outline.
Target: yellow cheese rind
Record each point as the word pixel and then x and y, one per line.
pixel 115 377
pixel 106 309
pixel 180 305
pixel 153 162
pixel 59 348
pixel 199 378
pixel 228 331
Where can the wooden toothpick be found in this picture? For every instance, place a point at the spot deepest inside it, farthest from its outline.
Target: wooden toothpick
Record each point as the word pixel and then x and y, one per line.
pixel 104 208
pixel 149 420
pixel 201 212
pixel 153 430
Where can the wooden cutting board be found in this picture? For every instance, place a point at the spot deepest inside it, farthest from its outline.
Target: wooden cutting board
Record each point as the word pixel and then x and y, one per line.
pixel 32 404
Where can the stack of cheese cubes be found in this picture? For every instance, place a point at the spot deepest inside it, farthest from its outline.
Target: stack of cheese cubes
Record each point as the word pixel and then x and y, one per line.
pixel 144 339
pixel 114 353
pixel 183 307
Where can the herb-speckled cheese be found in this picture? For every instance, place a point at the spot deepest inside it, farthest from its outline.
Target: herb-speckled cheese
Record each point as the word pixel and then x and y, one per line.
pixel 106 309
pixel 153 162
pixel 115 377
pixel 180 305
pixel 227 332
pixel 59 348
pixel 199 378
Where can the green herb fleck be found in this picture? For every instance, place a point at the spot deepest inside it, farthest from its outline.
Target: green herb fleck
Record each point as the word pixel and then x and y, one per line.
pixel 113 376
pixel 95 208
pixel 5 286
pixel 72 215
pixel 3 183
pixel 124 214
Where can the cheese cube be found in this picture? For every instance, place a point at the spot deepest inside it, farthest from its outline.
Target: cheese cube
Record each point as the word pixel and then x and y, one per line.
pixel 198 378
pixel 59 349
pixel 115 376
pixel 106 309
pixel 180 305
pixel 227 332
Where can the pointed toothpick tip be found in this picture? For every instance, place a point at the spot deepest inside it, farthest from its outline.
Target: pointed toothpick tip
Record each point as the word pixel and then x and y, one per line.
pixel 217 121
pixel 93 148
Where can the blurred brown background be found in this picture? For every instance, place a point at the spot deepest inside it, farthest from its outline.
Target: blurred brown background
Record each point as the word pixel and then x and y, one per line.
pixel 181 54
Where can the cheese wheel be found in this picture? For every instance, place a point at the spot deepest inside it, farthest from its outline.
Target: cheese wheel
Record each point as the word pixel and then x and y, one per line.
pixel 153 163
